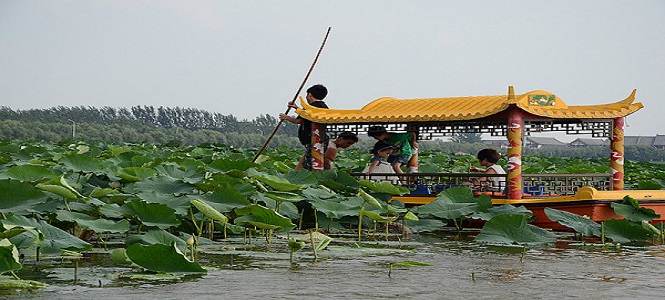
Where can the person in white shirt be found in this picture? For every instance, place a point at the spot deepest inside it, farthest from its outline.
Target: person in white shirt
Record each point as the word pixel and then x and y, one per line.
pixel 488 159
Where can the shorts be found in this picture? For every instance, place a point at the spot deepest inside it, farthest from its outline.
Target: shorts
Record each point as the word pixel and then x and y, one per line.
pixel 402 159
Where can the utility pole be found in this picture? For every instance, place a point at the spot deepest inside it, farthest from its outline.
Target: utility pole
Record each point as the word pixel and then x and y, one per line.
pixel 73 128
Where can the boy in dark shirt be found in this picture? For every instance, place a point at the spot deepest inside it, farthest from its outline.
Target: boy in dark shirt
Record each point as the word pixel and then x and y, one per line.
pixel 315 96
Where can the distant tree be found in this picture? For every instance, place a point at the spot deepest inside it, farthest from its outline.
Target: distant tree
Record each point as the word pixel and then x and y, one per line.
pixel 464 137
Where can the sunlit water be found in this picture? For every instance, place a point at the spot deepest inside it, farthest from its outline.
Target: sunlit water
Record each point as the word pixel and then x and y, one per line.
pixel 461 270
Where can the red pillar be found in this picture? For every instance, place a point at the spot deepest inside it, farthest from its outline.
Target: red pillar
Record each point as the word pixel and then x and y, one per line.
pixel 617 154
pixel 317 147
pixel 515 153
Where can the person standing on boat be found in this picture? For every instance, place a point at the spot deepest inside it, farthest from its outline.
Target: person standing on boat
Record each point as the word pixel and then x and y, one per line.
pixel 403 143
pixel 315 96
pixel 488 159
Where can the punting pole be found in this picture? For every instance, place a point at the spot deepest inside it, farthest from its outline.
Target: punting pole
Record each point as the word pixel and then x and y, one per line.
pixel 294 97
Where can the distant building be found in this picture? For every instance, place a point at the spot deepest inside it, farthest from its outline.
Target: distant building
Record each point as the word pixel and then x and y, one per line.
pixel 639 140
pixel 497 143
pixel 589 142
pixel 537 142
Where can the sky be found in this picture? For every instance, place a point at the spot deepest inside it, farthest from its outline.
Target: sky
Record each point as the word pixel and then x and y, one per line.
pixel 248 58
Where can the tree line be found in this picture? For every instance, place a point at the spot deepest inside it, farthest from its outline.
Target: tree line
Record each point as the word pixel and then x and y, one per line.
pixel 188 126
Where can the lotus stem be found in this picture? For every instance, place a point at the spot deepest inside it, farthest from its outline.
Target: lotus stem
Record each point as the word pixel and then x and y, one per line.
pixel 661 232
pixel 523 253
pixel 311 240
pixel 473 277
pixel 390 270
pixel 76 270
pixel 14 275
pixel 302 213
pixel 100 237
pixel 360 222
pixel 316 220
pixel 386 231
pixel 602 233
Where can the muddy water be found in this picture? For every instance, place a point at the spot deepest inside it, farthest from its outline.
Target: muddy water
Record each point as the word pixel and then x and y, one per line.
pixel 461 269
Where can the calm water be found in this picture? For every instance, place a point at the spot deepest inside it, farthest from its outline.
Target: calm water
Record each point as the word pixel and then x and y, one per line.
pixel 461 269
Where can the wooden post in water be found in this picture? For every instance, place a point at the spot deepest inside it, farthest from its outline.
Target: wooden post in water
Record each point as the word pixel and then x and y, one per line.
pixel 617 154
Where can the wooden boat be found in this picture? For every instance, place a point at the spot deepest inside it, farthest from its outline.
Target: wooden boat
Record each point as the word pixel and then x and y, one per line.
pixel 512 116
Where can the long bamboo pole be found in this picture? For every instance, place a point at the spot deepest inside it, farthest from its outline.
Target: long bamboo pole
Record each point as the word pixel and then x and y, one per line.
pixel 294 97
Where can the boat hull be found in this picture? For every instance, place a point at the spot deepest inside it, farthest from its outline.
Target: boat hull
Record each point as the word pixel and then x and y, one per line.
pixel 589 202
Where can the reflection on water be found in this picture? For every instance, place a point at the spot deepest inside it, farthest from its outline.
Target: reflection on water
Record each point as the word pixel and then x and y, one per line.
pixel 461 269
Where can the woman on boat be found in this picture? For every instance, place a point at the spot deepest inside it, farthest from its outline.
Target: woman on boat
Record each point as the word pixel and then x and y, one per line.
pixel 488 159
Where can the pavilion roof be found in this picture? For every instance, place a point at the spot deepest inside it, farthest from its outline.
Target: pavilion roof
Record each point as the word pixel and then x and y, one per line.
pixel 539 103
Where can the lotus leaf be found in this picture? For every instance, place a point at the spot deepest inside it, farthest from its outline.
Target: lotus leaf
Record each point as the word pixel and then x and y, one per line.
pixel 9 257
pixel 30 173
pixel 513 229
pixel 631 209
pixel 19 197
pixel 162 258
pixel 580 224
pixel 263 217
pixel 209 211
pixel 624 231
pixel 151 214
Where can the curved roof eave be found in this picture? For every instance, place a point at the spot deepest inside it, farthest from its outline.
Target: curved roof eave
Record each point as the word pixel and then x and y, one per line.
pixel 393 110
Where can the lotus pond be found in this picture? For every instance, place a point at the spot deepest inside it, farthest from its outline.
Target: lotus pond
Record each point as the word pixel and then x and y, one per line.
pixel 140 221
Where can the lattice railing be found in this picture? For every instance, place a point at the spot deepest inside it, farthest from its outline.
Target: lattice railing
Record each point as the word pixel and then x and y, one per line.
pixel 541 185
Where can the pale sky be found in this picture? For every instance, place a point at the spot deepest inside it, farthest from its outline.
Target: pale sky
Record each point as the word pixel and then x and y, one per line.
pixel 248 58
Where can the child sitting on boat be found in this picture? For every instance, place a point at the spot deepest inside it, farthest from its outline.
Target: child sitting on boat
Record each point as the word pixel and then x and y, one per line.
pixel 403 143
pixel 379 163
pixel 488 159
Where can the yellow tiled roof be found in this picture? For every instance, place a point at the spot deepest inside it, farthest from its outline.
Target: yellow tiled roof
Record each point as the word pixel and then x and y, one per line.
pixel 392 110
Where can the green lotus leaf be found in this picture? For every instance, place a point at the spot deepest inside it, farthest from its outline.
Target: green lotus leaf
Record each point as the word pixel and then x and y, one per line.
pixel 384 187
pixel 337 210
pixel 55 239
pixel 410 263
pixel 163 185
pixel 580 224
pixel 66 184
pixel 624 231
pixel 20 284
pixel 58 190
pixel 19 196
pixel 180 204
pixel 500 210
pixel 377 217
pixel 151 214
pixel 513 230
pixel 9 257
pixel 93 223
pixel 301 177
pixel 82 163
pixel 136 173
pixel 263 217
pixel 277 183
pixel 162 258
pixel 119 256
pixel 409 216
pixel 225 165
pixel 318 192
pixel 30 173
pixel 103 192
pixel 283 196
pixel 295 245
pixel 630 208
pixel 225 199
pixel 156 237
pixel 209 211
pixel 369 199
